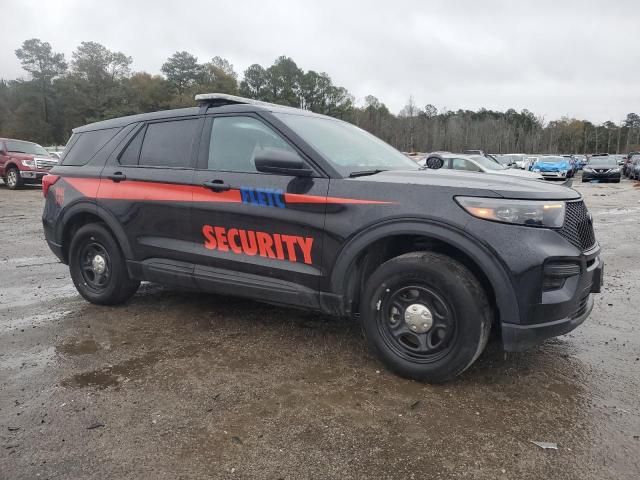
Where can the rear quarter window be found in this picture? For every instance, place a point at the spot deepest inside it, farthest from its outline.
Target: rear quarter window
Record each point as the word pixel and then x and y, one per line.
pixel 84 146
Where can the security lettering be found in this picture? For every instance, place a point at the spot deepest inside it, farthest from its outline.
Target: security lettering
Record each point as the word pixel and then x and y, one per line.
pixel 263 197
pixel 248 242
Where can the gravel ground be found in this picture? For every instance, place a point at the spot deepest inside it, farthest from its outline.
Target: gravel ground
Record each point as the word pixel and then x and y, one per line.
pixel 183 385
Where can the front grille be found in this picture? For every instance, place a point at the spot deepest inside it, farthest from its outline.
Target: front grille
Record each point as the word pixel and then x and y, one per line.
pixel 578 227
pixel 602 170
pixel 45 163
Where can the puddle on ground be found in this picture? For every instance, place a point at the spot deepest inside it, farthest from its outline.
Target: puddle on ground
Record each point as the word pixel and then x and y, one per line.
pixel 78 347
pixel 112 375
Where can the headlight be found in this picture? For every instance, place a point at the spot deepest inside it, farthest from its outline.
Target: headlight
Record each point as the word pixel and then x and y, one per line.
pixel 532 213
pixel 587 169
pixel 29 163
pixel 615 170
pixel 563 172
pixel 536 169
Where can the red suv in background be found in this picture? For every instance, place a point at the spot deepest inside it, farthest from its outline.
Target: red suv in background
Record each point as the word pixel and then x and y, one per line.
pixel 23 162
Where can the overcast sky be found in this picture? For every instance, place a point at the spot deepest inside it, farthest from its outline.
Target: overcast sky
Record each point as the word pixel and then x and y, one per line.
pixel 555 58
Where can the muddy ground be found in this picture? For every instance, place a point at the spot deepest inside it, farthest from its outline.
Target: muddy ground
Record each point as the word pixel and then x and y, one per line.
pixel 183 385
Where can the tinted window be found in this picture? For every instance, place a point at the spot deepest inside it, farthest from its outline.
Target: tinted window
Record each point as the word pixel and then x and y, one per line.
pixel 168 144
pixel 86 146
pixel 235 141
pixel 131 154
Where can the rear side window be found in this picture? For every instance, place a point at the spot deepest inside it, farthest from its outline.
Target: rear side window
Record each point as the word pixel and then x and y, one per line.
pixel 168 144
pixel 86 145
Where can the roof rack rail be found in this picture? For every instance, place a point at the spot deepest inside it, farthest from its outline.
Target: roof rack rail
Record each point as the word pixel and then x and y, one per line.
pixel 220 99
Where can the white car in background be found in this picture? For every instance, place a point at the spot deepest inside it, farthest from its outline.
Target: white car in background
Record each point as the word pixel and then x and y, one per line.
pixel 479 163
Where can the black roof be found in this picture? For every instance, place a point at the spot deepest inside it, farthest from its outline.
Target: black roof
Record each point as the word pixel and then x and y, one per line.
pixel 185 112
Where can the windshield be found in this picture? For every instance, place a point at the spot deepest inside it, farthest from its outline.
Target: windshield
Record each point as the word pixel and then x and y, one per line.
pixel 552 159
pixel 487 163
pixel 29 148
pixel 504 159
pixel 607 161
pixel 347 147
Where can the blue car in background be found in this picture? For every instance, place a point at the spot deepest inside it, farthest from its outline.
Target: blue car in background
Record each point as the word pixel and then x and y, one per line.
pixel 581 161
pixel 553 167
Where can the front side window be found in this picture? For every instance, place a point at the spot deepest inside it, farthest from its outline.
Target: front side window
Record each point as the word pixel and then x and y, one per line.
pixel 462 164
pixel 347 147
pixel 488 163
pixel 235 142
pixel 168 144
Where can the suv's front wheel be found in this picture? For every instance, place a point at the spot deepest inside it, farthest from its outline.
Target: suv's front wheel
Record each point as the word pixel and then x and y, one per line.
pixel 98 267
pixel 13 179
pixel 426 316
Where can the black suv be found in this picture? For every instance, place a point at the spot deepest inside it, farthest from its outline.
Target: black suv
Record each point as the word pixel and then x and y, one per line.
pixel 281 205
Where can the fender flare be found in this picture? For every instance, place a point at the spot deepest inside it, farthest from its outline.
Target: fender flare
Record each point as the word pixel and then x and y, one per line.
pixel 104 215
pixel 480 253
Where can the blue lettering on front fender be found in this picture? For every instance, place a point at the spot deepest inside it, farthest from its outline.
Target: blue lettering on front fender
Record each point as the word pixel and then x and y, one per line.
pixel 263 197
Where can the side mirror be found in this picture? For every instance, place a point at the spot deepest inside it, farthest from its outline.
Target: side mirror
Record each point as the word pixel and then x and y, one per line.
pixel 434 163
pixel 281 162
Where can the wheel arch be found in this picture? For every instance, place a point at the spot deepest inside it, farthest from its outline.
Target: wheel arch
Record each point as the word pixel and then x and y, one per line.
pixel 10 164
pixel 346 276
pixel 83 213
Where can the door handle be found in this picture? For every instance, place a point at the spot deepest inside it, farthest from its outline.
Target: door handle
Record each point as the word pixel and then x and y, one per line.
pixel 117 177
pixel 217 185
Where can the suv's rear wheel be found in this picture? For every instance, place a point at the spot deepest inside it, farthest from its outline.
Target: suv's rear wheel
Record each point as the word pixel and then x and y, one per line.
pixel 426 316
pixel 13 179
pixel 98 267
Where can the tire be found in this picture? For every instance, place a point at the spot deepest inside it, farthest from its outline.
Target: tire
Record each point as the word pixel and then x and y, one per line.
pixel 113 285
pixel 13 179
pixel 442 285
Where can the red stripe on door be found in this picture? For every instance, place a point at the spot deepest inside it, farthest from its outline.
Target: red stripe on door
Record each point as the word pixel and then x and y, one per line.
pixel 170 192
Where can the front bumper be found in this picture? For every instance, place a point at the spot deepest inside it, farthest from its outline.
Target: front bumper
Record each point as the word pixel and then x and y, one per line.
pixel 554 175
pixel 517 338
pixel 600 176
pixel 33 175
pixel 531 306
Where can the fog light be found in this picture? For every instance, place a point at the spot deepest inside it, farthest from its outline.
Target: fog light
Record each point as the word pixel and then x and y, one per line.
pixel 556 273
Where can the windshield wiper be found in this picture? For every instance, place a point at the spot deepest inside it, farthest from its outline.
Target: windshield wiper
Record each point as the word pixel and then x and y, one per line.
pixel 364 173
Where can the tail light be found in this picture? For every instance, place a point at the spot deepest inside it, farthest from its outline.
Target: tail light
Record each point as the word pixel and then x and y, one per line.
pixel 47 181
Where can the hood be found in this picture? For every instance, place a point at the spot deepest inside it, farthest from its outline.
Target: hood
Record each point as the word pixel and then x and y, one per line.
pixel 22 156
pixel 478 184
pixel 552 166
pixel 601 165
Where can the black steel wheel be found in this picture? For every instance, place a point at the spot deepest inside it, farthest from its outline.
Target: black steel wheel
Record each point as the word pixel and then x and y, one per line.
pixel 417 323
pixel 95 265
pixel 426 316
pixel 98 267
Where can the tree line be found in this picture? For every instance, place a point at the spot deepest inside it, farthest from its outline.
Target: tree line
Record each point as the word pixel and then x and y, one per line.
pixel 97 83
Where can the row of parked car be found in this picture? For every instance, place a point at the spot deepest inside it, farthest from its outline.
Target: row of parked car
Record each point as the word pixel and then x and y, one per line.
pixel 631 166
pixel 600 167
